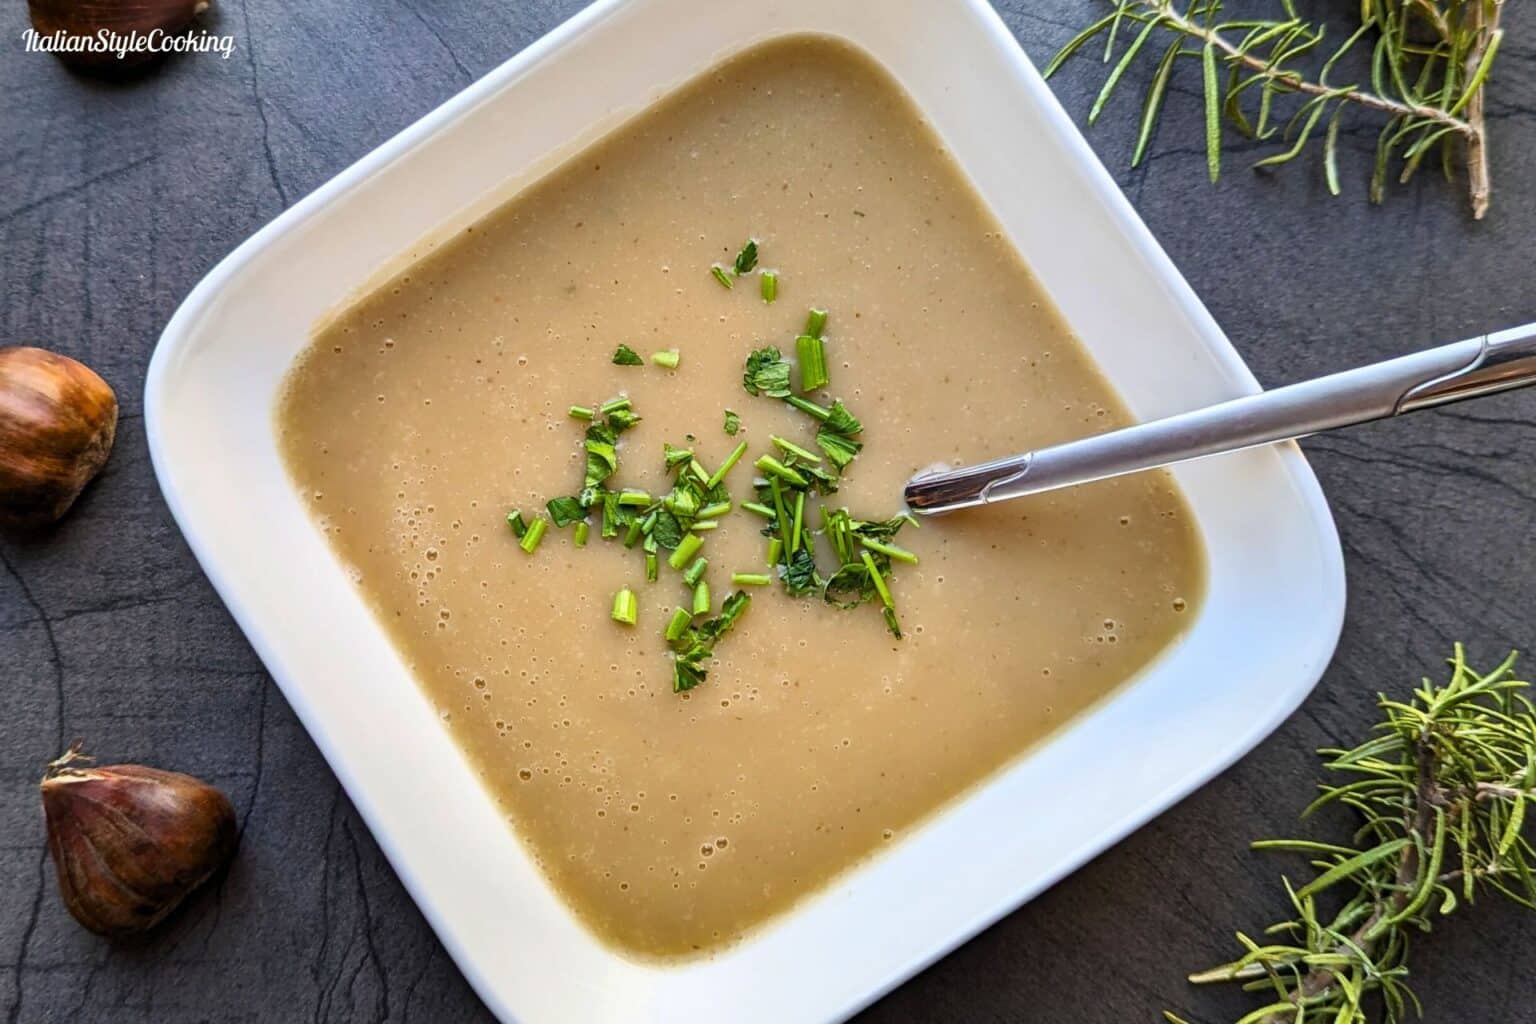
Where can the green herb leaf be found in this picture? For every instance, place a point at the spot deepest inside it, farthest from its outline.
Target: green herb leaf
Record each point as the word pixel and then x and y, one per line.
pixel 747 258
pixel 767 373
pixel 626 356
pixel 732 423
pixel 620 420
pixel 840 449
pixel 800 574
pixel 565 511
pixel 676 456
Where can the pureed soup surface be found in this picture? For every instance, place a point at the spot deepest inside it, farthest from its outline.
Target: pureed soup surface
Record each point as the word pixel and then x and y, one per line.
pixel 674 822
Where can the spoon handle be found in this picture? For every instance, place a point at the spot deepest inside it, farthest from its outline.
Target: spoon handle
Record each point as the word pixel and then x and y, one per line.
pixel 1437 376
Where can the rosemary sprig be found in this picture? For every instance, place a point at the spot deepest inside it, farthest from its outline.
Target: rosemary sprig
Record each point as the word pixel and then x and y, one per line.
pixel 1429 62
pixel 1442 791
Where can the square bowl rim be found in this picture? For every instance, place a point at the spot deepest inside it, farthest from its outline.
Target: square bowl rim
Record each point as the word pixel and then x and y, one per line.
pixel 180 335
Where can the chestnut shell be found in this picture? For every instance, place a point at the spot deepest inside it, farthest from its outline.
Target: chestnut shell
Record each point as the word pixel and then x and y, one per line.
pixel 57 423
pixel 129 843
pixel 87 17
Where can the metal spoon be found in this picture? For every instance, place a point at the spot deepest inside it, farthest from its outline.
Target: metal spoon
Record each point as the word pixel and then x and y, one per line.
pixel 1437 376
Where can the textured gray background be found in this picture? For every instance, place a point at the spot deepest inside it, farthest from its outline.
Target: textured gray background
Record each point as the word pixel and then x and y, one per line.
pixel 116 199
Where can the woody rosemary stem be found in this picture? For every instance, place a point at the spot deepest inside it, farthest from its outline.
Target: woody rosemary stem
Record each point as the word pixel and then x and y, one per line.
pixel 1419 822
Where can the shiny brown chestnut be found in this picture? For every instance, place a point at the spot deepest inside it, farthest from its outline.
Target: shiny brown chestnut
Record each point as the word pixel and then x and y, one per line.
pixel 129 843
pixel 57 423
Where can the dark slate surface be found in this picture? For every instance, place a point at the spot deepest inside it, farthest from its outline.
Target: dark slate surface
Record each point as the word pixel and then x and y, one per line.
pixel 116 199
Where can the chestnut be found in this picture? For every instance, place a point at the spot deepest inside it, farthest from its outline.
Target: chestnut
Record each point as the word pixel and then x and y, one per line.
pixel 57 422
pixel 129 843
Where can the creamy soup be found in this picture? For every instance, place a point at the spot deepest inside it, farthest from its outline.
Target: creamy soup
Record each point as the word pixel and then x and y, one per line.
pixel 674 822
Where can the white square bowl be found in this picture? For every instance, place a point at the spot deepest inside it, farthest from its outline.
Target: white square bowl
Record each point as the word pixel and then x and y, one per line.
pixel 1261 639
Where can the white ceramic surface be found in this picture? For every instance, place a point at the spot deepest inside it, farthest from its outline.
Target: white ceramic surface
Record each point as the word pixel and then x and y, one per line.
pixel 1267 628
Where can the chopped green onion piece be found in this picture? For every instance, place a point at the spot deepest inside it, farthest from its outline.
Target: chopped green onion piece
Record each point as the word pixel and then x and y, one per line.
pixel 816 322
pixel 701 598
pixel 632 535
pixel 758 509
pixel 750 579
pixel 715 510
pixel 695 572
pixel 580 537
pixel 705 525
pixel 685 550
pixel 515 521
pixel 651 570
pixel 613 405
pixel 790 448
pixel 720 275
pixel 626 356
pixel 530 541
pixel 773 467
pixel 799 526
pixel 732 422
pixel 879 581
pixel 725 467
pixel 648 524
pixel 626 607
pixel 770 285
pixel 649 545
pixel 678 625
pixel 889 550
pixel 813 362
pixel 700 473
pixel 668 359
pixel 580 412
pixel 775 550
pixel 633 497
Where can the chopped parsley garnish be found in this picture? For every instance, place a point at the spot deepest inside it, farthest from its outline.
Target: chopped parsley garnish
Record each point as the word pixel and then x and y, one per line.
pixel 767 373
pixel 795 479
pixel 695 645
pixel 840 449
pixel 746 260
pixel 565 511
